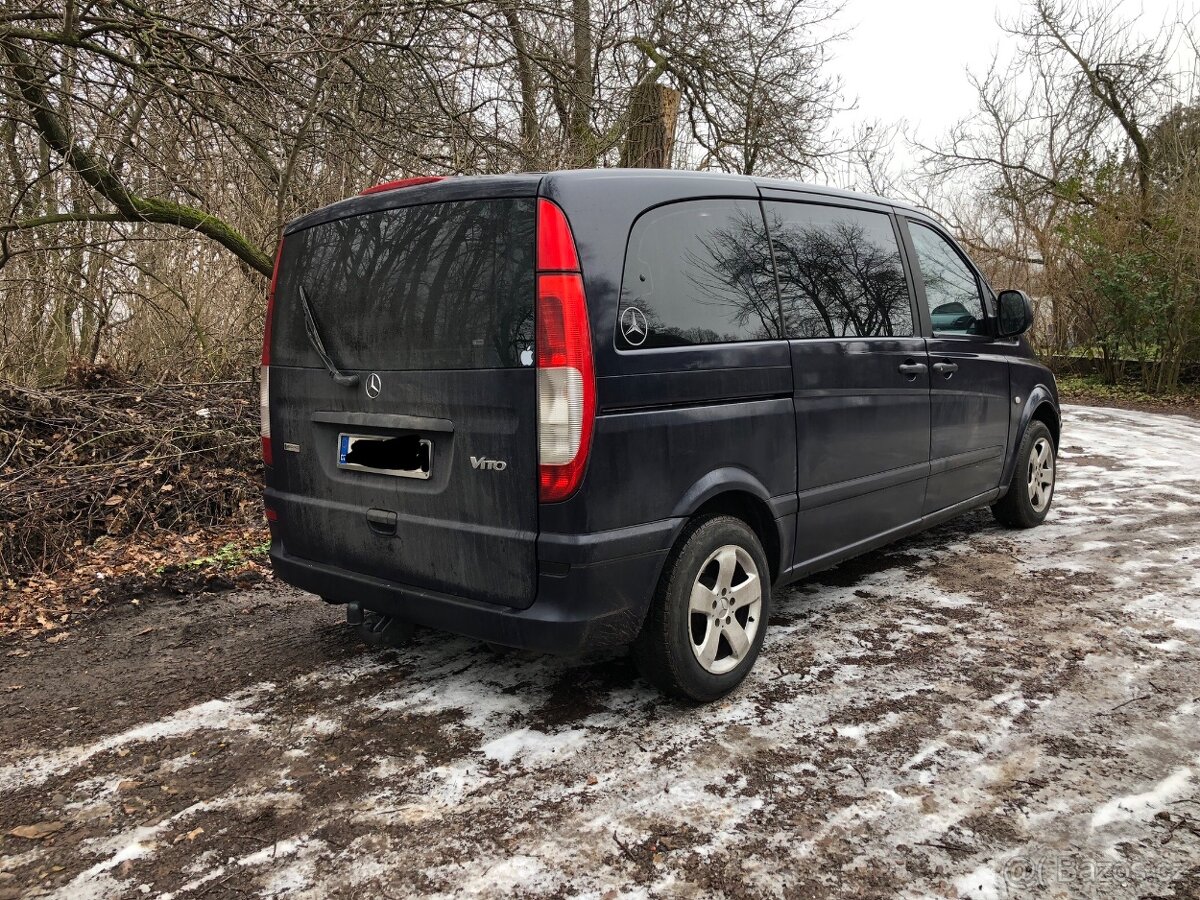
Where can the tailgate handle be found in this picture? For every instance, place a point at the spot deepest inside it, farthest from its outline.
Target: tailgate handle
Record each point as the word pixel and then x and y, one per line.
pixel 383 420
pixel 382 520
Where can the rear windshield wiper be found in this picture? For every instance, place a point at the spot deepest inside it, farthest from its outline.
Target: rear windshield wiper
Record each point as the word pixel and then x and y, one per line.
pixel 314 338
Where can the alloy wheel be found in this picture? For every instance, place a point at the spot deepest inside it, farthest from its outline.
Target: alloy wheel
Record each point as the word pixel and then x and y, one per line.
pixel 725 609
pixel 1041 474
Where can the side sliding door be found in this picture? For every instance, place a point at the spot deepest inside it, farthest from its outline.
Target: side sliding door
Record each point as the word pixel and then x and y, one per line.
pixel 860 373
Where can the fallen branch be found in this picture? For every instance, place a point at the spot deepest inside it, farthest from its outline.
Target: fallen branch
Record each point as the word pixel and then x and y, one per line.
pixel 119 461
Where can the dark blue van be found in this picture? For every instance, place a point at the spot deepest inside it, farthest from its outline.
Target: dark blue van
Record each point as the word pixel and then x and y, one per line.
pixel 566 410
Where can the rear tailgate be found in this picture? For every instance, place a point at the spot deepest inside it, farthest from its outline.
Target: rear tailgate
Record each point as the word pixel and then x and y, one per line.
pixel 431 306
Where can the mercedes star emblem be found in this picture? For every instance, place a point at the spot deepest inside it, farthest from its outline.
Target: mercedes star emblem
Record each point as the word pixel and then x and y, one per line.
pixel 374 385
pixel 633 326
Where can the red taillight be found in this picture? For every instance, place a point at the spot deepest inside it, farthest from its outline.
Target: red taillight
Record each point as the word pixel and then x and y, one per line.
pixel 555 245
pixel 266 350
pixel 566 383
pixel 402 183
pixel 264 374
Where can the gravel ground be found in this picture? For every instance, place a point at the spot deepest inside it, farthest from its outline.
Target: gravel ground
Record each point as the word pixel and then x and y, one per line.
pixel 971 713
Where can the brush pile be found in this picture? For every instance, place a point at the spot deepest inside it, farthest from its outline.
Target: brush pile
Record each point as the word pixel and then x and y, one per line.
pixel 121 461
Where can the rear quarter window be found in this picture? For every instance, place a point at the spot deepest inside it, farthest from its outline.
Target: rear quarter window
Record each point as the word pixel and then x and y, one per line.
pixel 698 272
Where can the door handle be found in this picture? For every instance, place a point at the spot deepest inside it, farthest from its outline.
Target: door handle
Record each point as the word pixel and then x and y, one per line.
pixel 911 369
pixel 945 368
pixel 382 521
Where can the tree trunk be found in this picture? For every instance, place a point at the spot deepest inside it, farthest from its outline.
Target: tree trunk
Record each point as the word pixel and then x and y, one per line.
pixel 525 73
pixel 583 87
pixel 650 141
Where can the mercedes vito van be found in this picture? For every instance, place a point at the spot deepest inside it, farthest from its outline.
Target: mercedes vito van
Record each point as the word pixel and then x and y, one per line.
pixel 567 410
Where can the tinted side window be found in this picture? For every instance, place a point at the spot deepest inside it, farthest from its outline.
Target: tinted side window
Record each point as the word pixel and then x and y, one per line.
pixel 955 302
pixel 840 273
pixel 698 272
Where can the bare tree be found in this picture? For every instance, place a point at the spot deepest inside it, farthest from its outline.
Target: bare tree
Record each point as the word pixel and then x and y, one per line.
pixel 153 151
pixel 1056 181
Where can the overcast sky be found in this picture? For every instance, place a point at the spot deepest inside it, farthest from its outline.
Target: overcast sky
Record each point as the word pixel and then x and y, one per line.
pixel 907 59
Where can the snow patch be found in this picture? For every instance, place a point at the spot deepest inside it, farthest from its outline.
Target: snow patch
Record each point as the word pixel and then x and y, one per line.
pixel 982 884
pixel 228 714
pixel 531 746
pixel 1143 807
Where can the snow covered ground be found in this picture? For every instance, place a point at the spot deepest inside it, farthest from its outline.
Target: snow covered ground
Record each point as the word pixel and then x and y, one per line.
pixel 972 713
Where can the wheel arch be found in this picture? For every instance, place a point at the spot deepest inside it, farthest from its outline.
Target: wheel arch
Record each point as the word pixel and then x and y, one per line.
pixel 735 492
pixel 1039 405
pixel 1046 413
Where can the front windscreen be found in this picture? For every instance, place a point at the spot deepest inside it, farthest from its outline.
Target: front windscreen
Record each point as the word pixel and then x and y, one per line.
pixel 438 286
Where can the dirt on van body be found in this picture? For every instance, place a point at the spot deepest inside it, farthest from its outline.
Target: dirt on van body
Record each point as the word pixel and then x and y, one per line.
pixel 972 713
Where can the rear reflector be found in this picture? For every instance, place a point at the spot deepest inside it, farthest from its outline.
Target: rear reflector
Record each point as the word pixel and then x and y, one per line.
pixel 566 383
pixel 402 183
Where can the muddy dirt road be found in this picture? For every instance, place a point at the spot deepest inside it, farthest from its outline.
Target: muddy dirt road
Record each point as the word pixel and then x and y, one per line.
pixel 973 713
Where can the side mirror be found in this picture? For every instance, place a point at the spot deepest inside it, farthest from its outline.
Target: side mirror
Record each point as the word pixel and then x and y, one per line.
pixel 1016 313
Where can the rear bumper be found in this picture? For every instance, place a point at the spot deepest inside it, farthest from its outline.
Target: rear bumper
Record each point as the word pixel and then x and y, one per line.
pixel 592 599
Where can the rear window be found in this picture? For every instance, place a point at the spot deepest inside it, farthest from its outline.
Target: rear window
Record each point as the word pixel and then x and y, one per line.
pixel 439 286
pixel 698 272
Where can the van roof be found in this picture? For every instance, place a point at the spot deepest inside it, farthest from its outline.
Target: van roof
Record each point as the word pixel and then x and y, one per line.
pixel 524 184
pixel 782 184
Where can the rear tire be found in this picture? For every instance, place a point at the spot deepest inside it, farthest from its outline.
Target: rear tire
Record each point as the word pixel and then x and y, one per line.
pixel 378 630
pixel 709 615
pixel 1032 488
